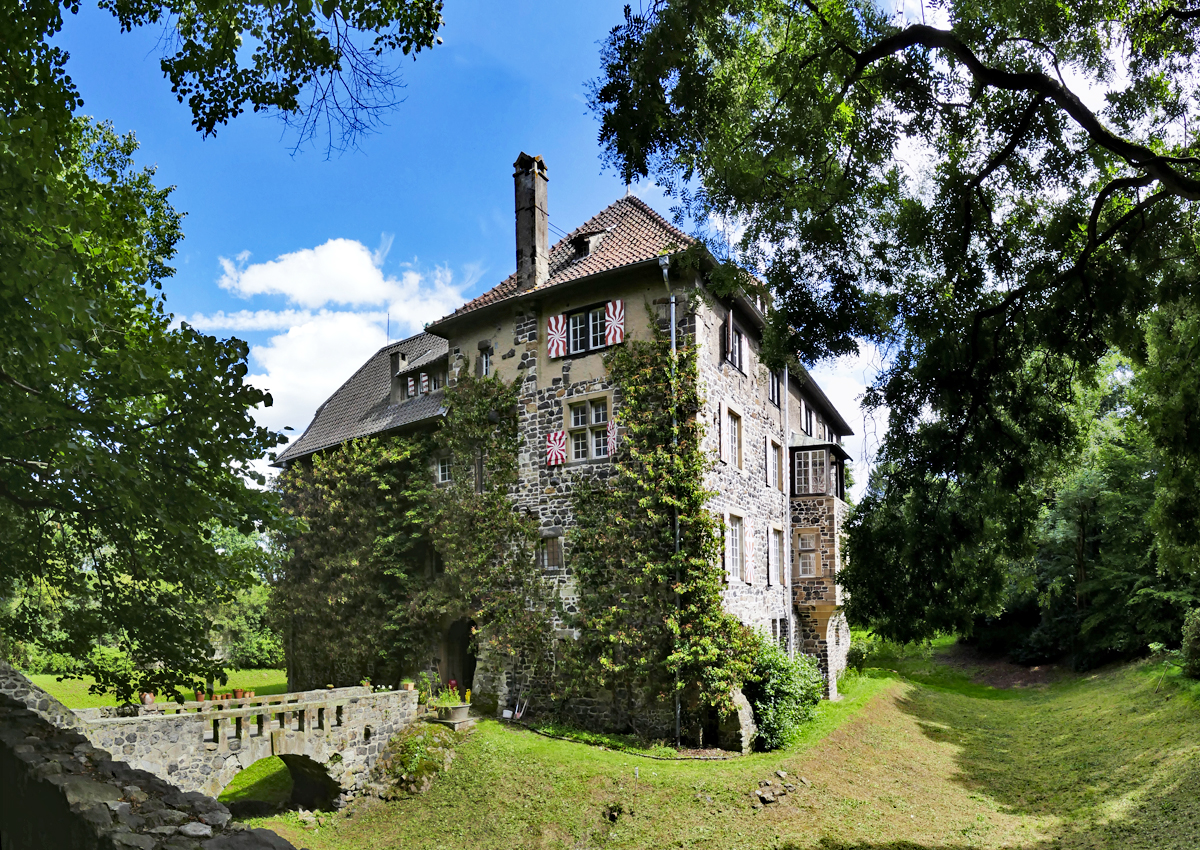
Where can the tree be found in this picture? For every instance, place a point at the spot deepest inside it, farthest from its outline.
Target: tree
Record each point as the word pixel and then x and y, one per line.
pixel 943 188
pixel 123 439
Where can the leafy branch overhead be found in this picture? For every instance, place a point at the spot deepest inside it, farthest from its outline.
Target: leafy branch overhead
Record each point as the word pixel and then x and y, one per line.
pixel 997 194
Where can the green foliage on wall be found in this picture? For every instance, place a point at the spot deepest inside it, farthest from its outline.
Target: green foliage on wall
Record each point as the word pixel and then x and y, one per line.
pixel 650 618
pixel 387 559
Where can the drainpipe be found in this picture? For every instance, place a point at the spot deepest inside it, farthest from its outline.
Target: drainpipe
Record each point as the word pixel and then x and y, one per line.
pixel 664 263
pixel 787 512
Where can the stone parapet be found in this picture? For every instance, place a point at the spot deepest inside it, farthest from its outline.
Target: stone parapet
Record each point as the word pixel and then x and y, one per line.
pixel 60 792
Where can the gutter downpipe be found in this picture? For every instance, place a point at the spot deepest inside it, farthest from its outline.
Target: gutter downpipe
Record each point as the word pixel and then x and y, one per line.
pixel 787 511
pixel 665 263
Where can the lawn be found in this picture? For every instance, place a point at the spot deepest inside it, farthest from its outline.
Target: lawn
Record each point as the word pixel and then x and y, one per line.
pixel 916 756
pixel 73 693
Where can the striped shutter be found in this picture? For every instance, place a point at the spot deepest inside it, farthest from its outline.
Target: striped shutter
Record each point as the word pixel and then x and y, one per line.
pixel 556 336
pixel 424 383
pixel 412 387
pixel 612 435
pixel 614 322
pixel 556 448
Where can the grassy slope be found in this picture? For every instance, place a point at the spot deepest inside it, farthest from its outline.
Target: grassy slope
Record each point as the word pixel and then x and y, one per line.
pixel 916 759
pixel 73 693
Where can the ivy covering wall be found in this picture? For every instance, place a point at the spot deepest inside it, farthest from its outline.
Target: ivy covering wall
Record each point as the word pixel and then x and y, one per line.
pixel 650 619
pixel 385 558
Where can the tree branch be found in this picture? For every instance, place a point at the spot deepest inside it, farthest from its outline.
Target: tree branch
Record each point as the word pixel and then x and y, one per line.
pixel 1139 156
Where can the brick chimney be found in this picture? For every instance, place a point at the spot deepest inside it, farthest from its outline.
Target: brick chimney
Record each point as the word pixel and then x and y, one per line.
pixel 533 234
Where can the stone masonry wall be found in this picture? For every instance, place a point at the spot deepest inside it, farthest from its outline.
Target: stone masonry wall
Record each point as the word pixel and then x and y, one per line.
pixel 60 792
pixel 205 745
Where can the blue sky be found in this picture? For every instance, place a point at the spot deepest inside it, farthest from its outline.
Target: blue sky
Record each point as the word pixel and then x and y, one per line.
pixel 304 255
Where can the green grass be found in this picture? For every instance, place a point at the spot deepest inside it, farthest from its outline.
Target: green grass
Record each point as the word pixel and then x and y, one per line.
pixel 267 780
pixel 920 759
pixel 73 693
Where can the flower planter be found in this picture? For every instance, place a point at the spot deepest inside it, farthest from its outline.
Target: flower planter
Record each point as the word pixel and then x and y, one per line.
pixel 454 712
pixel 408 686
pixel 238 693
pixel 200 695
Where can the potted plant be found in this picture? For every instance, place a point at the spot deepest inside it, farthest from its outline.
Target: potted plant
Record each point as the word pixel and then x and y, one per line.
pixel 200 696
pixel 449 706
pixel 238 693
pixel 408 684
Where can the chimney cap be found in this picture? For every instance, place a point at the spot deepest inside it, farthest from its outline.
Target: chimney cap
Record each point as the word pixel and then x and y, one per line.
pixel 525 162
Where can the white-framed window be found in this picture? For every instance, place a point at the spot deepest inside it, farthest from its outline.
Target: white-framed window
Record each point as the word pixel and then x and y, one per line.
pixel 436 380
pixel 587 425
pixel 776 556
pixel 779 632
pixel 443 470
pixel 773 389
pixel 774 465
pixel 735 548
pixel 736 344
pixel 587 330
pixel 805 556
pixel 597 327
pixel 734 434
pixel 808 420
pixel 577 332
pixel 812 474
pixel 485 362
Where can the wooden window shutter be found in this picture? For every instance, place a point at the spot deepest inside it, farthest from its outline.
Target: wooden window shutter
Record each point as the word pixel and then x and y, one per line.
pixel 412 387
pixel 767 462
pixel 556 336
pixel 723 451
pixel 614 322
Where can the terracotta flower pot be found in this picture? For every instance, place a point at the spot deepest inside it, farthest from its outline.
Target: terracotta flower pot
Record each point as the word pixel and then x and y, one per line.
pixel 199 696
pixel 238 693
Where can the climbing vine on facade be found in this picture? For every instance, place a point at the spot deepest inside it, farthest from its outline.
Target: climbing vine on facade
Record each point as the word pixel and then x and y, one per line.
pixel 387 555
pixel 650 620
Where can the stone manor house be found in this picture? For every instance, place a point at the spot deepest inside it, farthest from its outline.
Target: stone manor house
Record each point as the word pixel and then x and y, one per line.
pixel 775 436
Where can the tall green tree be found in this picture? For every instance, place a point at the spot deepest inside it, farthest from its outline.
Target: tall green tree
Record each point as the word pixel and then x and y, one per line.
pixel 123 439
pixel 994 192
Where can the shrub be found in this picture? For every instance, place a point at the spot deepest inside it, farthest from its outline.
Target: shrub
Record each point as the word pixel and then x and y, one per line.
pixel 1191 644
pixel 415 757
pixel 861 650
pixel 783 692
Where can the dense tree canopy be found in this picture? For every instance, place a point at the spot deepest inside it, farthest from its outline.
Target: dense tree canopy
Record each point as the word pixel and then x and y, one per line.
pixel 124 440
pixel 997 193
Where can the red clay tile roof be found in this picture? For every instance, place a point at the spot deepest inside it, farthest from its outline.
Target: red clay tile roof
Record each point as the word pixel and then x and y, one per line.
pixel 633 233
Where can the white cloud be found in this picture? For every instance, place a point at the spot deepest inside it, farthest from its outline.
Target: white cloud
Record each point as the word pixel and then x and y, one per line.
pixel 320 345
pixel 249 320
pixel 302 368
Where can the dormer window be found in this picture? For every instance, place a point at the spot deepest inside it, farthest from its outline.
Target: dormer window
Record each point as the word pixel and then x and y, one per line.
pixel 586 244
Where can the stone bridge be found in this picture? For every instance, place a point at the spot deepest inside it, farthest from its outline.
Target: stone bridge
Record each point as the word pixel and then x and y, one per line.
pixel 329 739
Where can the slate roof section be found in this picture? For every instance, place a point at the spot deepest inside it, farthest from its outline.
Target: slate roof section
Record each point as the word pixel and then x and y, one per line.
pixel 360 406
pixel 633 233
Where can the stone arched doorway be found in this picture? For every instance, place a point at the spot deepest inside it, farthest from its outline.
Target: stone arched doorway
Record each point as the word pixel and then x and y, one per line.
pixel 458 650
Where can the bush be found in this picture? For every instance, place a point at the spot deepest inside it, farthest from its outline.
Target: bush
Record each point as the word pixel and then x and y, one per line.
pixel 415 757
pixel 1191 644
pixel 783 693
pixel 861 650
